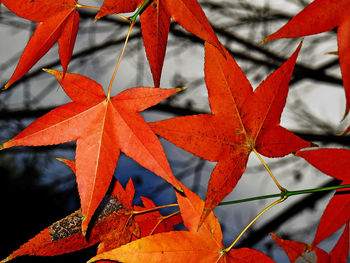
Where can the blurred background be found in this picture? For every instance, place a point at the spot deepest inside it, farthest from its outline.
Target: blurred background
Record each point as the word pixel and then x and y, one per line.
pixel 37 190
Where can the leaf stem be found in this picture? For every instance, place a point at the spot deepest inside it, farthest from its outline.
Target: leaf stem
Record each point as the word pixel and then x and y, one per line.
pixel 255 218
pixel 314 190
pixel 123 17
pixel 161 219
pixel 119 60
pixel 287 193
pixel 282 189
pixel 153 209
pixel 249 199
pixel 280 195
pixel 5 260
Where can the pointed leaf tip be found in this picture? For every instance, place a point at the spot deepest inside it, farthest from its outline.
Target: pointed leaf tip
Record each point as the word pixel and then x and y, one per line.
pixel 181 88
pixel 263 41
pixel 6 86
pixel 83 227
pixel 299 46
pixel 344 132
pixel 57 74
pixel 5 260
pixel 347 109
pixel 51 71
pixel 314 145
pixel 96 18
pixel 332 53
pixel 69 163
pixel 179 189
pixel 3 146
pixel 204 215
pixel 64 160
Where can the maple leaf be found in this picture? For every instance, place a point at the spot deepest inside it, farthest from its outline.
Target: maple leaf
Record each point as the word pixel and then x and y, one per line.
pixel 112 227
pixel 126 196
pixel 184 246
pixel 301 252
pixel 155 22
pixel 321 16
pixel 58 21
pixel 128 228
pixel 102 127
pixel 241 121
pixel 335 163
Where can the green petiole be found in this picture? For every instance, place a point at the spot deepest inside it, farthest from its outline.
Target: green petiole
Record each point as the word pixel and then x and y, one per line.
pixel 133 18
pixel 286 193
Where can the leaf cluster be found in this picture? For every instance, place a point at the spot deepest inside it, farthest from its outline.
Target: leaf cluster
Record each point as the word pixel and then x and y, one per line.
pixel 242 120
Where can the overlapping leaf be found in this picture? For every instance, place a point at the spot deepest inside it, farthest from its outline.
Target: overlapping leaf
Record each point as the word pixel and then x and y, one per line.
pixel 112 228
pixel 154 222
pixel 301 252
pixel 321 16
pixel 102 127
pixel 241 120
pixel 184 246
pixel 155 22
pixel 58 21
pixel 335 163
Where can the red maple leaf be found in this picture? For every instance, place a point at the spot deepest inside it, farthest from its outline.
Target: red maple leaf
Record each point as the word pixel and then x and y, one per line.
pixel 58 21
pixel 155 22
pixel 321 16
pixel 241 121
pixel 115 7
pixel 204 245
pixel 301 252
pixel 335 163
pixel 102 127
pixel 113 227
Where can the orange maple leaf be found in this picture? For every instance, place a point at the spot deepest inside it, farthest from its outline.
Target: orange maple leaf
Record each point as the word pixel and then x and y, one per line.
pixel 241 121
pixel 102 127
pixel 155 22
pixel 321 16
pixel 184 246
pixel 58 21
